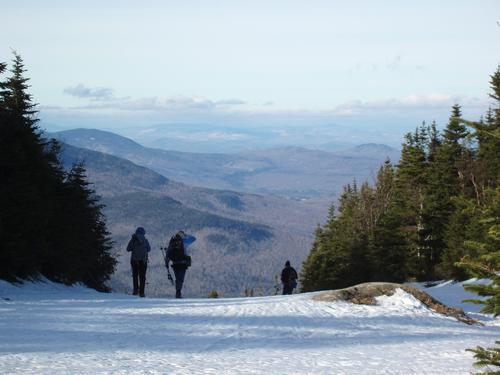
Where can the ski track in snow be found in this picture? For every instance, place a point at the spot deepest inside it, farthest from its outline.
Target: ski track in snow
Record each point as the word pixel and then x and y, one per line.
pixel 51 329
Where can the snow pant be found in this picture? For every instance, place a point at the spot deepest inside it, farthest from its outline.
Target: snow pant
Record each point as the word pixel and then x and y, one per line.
pixel 287 289
pixel 139 276
pixel 180 273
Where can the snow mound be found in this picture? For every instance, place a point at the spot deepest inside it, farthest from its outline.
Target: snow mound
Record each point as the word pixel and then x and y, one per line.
pixel 401 301
pixel 367 294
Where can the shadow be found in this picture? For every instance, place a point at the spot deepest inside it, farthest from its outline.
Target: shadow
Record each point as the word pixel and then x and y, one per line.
pixel 172 326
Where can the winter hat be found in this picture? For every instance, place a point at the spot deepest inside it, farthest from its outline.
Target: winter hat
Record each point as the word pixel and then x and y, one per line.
pixel 287 263
pixel 140 230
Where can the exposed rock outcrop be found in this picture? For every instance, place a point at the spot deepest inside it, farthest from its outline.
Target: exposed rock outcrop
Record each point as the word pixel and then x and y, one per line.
pixel 365 294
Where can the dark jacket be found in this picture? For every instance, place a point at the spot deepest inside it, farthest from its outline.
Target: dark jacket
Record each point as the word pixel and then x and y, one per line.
pixel 289 276
pixel 139 247
pixel 185 262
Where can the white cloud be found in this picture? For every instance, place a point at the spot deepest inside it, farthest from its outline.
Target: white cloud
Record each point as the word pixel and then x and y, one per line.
pixel 411 102
pixel 102 100
pixel 169 104
pixel 82 91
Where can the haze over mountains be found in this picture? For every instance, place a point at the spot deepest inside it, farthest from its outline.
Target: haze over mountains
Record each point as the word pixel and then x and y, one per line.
pixel 243 237
pixel 291 172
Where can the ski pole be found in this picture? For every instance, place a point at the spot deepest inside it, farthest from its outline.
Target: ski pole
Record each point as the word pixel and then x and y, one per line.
pixel 169 276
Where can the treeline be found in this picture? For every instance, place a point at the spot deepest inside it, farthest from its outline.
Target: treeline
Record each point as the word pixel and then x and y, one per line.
pixel 50 220
pixel 437 207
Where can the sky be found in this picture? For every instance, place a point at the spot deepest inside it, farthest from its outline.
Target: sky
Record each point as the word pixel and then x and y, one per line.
pixel 374 65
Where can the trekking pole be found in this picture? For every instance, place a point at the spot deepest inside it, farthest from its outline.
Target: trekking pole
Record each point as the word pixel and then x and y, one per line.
pixel 169 276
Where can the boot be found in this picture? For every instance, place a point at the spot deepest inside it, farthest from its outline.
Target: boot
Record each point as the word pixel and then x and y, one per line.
pixel 178 294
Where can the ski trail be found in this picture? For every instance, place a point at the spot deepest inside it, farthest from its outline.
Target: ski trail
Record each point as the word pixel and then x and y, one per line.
pixel 75 331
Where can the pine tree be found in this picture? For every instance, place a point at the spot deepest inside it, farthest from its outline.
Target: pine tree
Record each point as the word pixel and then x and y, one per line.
pixel 486 357
pixel 464 223
pixel 488 135
pixel 409 198
pixel 309 276
pixel 338 258
pixel 50 225
pixel 387 253
pixel 421 217
pixel 27 180
pixel 92 244
pixel 16 98
pixel 487 265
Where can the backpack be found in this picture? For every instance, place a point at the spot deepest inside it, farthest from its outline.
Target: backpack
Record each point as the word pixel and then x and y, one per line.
pixel 176 250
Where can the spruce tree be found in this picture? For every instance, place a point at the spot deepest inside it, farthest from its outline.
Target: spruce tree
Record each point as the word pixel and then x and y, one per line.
pixel 487 265
pixel 409 198
pixel 489 135
pixel 27 180
pixel 338 258
pixel 50 225
pixel 92 246
pixel 387 252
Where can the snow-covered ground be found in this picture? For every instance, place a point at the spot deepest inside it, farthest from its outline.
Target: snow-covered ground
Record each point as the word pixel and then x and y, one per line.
pixel 47 328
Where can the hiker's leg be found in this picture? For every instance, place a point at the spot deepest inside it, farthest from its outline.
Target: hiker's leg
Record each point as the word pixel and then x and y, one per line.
pixel 180 273
pixel 135 275
pixel 287 289
pixel 142 277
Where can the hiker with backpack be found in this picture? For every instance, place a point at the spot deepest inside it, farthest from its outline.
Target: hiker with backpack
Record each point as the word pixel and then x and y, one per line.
pixel 177 254
pixel 288 278
pixel 139 247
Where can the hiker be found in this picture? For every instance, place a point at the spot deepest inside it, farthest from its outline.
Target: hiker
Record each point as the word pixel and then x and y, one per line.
pixel 177 253
pixel 139 246
pixel 289 278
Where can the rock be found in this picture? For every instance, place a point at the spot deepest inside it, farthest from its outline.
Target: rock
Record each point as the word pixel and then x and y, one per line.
pixel 365 294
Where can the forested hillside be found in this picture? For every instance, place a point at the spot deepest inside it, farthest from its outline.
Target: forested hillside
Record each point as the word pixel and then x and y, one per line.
pixel 243 239
pixel 438 206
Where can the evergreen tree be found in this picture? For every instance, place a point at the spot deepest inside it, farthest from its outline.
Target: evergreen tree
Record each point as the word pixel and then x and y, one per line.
pixel 338 258
pixel 362 242
pixel 409 198
pixel 465 222
pixel 387 253
pixel 50 225
pixel 420 218
pixel 486 264
pixel 309 276
pixel 90 244
pixel 27 180
pixel 488 135
pixel 16 97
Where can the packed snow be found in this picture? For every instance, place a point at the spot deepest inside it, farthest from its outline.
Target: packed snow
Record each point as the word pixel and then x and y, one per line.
pixel 47 328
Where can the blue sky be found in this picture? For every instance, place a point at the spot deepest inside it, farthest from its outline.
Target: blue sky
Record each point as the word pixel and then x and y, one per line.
pixel 385 63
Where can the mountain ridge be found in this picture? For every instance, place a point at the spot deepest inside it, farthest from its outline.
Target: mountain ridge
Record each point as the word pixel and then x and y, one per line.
pixel 290 172
pixel 243 239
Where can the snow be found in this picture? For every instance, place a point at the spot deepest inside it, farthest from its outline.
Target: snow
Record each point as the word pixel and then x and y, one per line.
pixel 47 328
pixel 453 293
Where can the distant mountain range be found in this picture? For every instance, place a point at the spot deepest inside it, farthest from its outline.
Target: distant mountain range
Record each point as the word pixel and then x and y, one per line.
pixel 243 239
pixel 250 211
pixel 291 172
